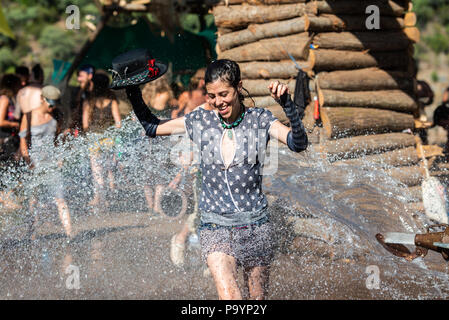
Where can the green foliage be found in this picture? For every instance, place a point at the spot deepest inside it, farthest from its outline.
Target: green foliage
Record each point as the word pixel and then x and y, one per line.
pixel 40 24
pixel 434 76
pixel 433 20
pixel 431 10
pixel 190 22
pixel 6 58
pixel 438 42
pixel 61 43
pixel 41 36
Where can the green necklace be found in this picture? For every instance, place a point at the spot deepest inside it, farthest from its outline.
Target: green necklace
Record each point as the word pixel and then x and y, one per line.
pixel 232 125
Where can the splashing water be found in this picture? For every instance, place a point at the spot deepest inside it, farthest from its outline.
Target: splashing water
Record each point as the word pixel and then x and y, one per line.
pixel 326 217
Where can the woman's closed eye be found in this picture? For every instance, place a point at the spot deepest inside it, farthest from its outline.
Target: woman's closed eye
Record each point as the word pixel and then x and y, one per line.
pixel 221 94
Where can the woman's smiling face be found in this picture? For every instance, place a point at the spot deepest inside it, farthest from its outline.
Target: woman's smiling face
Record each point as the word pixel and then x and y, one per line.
pixel 225 98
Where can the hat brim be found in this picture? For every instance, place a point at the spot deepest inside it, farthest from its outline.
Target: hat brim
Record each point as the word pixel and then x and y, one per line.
pixel 138 79
pixel 52 102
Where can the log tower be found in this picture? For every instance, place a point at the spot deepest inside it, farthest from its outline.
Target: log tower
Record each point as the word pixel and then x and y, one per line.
pixel 359 56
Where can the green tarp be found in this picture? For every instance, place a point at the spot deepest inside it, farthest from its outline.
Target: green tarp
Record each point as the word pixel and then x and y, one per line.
pixel 186 53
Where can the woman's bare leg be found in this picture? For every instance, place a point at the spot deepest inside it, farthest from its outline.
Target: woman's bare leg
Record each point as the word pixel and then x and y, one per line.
pixel 33 218
pixel 157 198
pixel 111 180
pixel 148 196
pixel 97 174
pixel 256 281
pixel 64 216
pixel 7 202
pixel 224 271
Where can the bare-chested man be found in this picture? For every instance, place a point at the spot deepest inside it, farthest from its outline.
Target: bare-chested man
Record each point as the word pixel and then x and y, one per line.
pixel 29 97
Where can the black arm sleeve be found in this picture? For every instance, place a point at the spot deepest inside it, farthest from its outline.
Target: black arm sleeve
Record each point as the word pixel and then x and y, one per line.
pixel 148 120
pixel 297 138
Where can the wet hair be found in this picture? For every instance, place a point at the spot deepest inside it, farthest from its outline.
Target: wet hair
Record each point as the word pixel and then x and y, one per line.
pixel 227 71
pixel 10 85
pixel 224 70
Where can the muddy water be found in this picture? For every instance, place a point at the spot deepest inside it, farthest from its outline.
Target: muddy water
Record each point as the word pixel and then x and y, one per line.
pixel 326 218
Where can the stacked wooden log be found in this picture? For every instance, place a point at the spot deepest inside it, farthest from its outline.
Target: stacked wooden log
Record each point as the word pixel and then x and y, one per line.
pixel 265 37
pixel 361 72
pixel 364 81
pixel 362 77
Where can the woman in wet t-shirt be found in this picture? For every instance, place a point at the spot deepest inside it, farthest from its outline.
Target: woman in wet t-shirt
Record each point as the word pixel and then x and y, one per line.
pixel 235 225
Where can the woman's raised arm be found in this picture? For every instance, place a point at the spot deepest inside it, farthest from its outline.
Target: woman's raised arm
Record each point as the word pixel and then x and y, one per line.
pixel 151 124
pixel 296 137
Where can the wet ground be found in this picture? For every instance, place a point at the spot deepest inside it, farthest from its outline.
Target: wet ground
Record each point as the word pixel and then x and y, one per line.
pixel 326 220
pixel 126 256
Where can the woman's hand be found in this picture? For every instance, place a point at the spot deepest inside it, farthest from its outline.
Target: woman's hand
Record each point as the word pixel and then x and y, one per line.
pixel 278 90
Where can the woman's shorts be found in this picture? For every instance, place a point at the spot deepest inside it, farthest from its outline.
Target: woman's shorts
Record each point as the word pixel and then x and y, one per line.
pixel 251 246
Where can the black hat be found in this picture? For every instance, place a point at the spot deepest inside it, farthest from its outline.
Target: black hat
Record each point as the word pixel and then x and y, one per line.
pixel 135 67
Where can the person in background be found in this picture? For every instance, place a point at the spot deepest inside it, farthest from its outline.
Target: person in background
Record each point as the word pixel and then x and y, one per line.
pixel 29 97
pixel 100 112
pixel 193 97
pixel 85 80
pixel 159 96
pixel 38 131
pixel 24 74
pixel 446 95
pixel 425 97
pixel 424 93
pixel 178 241
pixel 9 124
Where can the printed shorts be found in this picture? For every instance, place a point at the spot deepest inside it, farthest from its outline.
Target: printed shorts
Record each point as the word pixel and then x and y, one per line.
pixel 251 246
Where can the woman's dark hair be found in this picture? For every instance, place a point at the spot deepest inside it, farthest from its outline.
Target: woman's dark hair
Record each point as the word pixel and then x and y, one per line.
pixel 101 87
pixel 10 85
pixel 23 71
pixel 226 71
pixel 100 90
pixel 37 74
pixel 441 114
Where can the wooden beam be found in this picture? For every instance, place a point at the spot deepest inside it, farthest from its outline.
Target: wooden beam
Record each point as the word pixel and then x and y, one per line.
pixel 347 121
pixel 367 144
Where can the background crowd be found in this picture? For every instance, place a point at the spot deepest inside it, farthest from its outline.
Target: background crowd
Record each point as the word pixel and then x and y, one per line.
pixel 34 118
pixel 93 106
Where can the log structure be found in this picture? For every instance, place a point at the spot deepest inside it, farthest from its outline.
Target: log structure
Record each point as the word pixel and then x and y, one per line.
pixel 362 73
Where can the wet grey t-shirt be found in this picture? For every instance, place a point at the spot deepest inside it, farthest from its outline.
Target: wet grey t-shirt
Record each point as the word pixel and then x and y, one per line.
pixel 231 195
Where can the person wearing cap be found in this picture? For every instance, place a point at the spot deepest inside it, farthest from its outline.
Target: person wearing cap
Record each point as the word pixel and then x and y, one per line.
pixel 38 131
